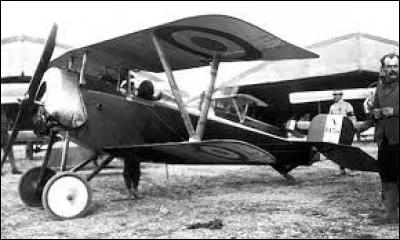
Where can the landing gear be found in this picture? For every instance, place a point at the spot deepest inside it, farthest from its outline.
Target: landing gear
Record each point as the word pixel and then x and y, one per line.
pixel 66 196
pixel 29 151
pixel 31 186
pixel 33 181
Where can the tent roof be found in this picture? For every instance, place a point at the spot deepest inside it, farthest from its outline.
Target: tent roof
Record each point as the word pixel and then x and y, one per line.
pixel 21 54
pixel 354 52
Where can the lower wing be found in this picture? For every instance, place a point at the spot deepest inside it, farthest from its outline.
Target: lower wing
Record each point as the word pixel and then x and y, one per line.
pixel 204 152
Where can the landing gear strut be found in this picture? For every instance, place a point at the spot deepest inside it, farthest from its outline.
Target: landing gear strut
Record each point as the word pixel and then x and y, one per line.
pixel 29 151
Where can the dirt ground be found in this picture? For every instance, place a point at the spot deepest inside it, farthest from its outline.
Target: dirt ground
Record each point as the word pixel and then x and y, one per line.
pixel 251 202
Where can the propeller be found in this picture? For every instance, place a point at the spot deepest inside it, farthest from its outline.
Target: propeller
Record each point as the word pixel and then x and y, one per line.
pixel 28 102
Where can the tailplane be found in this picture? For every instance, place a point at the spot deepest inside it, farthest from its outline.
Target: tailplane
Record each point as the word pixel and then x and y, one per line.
pixel 333 136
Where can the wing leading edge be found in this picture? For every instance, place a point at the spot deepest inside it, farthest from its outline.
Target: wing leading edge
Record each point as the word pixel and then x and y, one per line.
pixel 189 43
pixel 204 152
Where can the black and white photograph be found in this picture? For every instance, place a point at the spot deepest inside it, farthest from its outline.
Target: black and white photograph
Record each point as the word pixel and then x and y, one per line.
pixel 199 119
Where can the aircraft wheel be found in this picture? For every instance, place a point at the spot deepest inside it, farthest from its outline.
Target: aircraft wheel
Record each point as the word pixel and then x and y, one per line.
pixel 66 196
pixel 29 151
pixel 29 190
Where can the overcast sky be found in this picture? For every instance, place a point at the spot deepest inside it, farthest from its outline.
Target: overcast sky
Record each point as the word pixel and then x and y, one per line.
pixel 300 23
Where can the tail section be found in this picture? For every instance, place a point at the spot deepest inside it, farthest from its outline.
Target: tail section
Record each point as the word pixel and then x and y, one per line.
pixel 331 128
pixel 348 156
pixel 333 136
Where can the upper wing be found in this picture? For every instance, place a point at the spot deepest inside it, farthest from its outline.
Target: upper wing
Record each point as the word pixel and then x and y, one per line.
pixel 204 152
pixel 190 43
pixel 326 95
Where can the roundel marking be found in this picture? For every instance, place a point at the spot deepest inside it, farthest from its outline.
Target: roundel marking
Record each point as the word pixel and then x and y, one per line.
pixel 210 44
pixel 207 42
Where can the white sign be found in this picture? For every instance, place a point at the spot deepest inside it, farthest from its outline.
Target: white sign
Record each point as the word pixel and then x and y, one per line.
pixel 333 128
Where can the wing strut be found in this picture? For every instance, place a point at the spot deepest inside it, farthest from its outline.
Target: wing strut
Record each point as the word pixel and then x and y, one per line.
pixel 207 98
pixel 175 89
pixel 198 134
pixel 82 80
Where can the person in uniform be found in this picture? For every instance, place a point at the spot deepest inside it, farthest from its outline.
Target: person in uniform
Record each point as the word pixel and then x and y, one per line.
pixel 131 174
pixel 385 117
pixel 4 141
pixel 343 108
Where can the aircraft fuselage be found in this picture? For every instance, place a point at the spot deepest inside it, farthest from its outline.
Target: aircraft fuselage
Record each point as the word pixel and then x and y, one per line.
pixel 115 121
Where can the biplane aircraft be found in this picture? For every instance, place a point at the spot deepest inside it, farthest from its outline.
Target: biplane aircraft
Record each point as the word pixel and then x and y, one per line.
pixel 94 114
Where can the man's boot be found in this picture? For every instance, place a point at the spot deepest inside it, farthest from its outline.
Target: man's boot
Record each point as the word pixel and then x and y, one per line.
pixel 391 194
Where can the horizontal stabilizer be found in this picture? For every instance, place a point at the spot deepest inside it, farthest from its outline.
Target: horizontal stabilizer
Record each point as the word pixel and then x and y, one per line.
pixel 348 156
pixel 204 152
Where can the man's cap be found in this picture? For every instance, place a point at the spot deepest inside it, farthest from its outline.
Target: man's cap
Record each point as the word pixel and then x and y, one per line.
pixel 337 92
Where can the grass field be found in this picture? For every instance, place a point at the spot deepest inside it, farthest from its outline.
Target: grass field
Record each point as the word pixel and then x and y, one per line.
pixel 252 202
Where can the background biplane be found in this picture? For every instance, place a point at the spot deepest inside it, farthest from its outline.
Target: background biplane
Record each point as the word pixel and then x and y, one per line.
pixel 296 88
pixel 68 99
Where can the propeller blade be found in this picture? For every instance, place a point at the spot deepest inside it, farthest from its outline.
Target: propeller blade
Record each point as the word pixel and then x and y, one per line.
pixel 14 134
pixel 28 103
pixel 42 65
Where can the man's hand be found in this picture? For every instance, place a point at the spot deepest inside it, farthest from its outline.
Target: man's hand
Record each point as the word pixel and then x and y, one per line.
pixel 387 111
pixel 360 127
pixel 377 113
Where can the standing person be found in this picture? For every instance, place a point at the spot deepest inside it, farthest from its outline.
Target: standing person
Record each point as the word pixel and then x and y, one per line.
pixel 4 141
pixel 385 118
pixel 343 108
pixel 131 174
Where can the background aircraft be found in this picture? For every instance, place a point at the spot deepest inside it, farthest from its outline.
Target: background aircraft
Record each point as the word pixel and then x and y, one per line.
pixel 96 115
pixel 296 88
pixel 20 55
